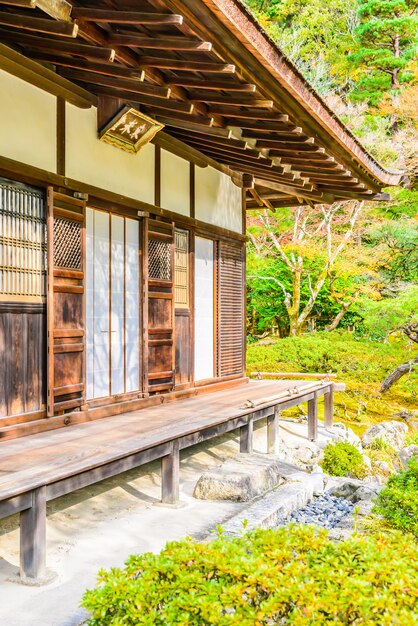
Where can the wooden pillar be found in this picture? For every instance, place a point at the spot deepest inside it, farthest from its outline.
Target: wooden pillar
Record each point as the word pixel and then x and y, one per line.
pixel 329 407
pixel 170 475
pixel 246 437
pixel 273 432
pixel 33 537
pixel 313 418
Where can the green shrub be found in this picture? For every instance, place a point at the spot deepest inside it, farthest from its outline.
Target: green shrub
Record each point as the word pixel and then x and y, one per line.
pixel 293 575
pixel 342 458
pixel 412 439
pixel 381 445
pixel 398 501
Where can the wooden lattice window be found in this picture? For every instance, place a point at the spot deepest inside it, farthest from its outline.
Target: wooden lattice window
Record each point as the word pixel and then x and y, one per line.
pixel 22 242
pixel 159 260
pixel 67 244
pixel 181 268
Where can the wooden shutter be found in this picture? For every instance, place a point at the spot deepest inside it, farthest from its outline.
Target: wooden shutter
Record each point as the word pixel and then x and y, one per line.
pixel 65 307
pixel 230 318
pixel 159 333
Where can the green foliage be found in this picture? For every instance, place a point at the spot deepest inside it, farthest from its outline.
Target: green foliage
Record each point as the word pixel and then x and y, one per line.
pixel 387 36
pixel 380 444
pixel 390 314
pixel 412 439
pixel 398 501
pixel 341 459
pixel 360 362
pixel 293 575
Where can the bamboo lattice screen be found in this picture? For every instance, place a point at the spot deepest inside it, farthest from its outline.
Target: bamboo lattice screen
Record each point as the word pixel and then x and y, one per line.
pixel 22 242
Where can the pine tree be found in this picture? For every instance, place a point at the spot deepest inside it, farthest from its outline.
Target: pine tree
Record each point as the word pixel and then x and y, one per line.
pixel 388 37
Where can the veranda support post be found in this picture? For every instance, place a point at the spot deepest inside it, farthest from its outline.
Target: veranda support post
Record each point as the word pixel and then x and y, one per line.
pixel 273 432
pixel 313 418
pixel 33 537
pixel 329 407
pixel 170 475
pixel 246 437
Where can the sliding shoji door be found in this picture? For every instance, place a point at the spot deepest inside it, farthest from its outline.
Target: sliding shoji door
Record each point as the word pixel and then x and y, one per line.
pixel 204 314
pixel 112 305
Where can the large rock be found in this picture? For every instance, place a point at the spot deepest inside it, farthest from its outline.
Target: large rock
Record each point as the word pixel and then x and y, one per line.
pixel 240 479
pixel 392 433
pixel 341 433
pixel 407 453
pixel 356 490
pixel 305 454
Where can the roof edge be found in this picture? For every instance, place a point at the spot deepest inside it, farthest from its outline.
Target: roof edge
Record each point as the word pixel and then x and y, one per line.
pixel 237 17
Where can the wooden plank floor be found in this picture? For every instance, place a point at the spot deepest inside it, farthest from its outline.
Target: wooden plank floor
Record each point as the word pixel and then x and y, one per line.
pixel 30 462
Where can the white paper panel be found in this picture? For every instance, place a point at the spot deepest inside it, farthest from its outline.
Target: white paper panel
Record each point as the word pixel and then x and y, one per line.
pixel 204 309
pixel 101 304
pixel 89 303
pixel 132 305
pixel 117 304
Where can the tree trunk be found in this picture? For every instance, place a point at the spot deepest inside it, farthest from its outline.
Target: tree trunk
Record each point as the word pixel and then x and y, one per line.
pixel 400 371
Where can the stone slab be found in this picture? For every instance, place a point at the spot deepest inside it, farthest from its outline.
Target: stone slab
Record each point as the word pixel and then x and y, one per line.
pixel 240 479
pixel 273 508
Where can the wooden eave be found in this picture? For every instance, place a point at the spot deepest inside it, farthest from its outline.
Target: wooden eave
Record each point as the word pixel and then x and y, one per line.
pixel 205 68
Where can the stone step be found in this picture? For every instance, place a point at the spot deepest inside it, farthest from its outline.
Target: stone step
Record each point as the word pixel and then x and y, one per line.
pixel 274 507
pixel 240 479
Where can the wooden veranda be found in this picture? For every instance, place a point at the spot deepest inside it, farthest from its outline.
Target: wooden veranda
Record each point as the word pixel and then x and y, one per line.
pixel 44 466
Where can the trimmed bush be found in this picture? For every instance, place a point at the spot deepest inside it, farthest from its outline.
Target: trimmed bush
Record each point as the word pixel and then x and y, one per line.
pixel 293 575
pixel 398 501
pixel 341 459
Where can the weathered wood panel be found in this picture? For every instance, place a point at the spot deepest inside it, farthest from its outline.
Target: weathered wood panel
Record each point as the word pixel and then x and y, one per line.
pixel 230 322
pixel 66 324
pixel 22 358
pixel 159 274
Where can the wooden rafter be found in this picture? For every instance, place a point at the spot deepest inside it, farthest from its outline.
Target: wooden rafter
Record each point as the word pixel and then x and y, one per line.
pixel 163 103
pixel 43 78
pixel 90 14
pixel 38 24
pixel 59 46
pixel 159 43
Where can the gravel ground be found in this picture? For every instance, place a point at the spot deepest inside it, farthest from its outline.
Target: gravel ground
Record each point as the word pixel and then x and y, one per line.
pixel 326 511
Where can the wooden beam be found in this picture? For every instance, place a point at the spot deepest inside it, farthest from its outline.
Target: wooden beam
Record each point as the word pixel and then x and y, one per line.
pixel 167 142
pixel 226 110
pixel 260 201
pixel 295 191
pixel 87 14
pixel 262 126
pixel 309 159
pixel 58 9
pixel 275 139
pixel 204 83
pixel 216 136
pixel 136 96
pixel 234 101
pixel 59 46
pixel 27 4
pixel 124 84
pixel 44 78
pixel 136 40
pixel 38 24
pixel 172 118
pixel 90 67
pixel 198 128
pixel 186 65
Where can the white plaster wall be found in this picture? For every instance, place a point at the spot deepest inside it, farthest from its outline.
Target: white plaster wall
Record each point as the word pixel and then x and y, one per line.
pixel 218 200
pixel 175 183
pixel 92 161
pixel 27 123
